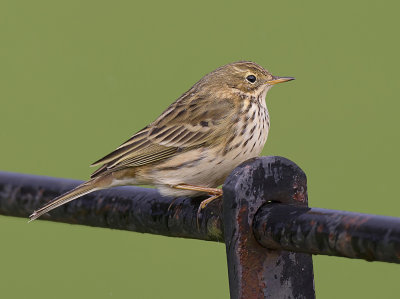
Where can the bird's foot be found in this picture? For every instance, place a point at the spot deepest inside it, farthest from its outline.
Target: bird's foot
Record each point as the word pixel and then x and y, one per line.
pixel 202 206
pixel 214 192
pixel 171 204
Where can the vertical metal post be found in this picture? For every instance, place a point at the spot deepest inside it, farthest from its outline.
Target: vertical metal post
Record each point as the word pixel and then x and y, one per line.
pixel 255 272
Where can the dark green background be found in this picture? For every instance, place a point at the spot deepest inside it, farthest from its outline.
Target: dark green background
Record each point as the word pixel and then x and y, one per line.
pixel 77 78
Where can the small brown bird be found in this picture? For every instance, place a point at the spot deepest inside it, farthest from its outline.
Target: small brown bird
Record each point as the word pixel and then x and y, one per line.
pixel 195 143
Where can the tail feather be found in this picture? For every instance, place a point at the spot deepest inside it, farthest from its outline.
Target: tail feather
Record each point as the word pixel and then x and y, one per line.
pixel 85 188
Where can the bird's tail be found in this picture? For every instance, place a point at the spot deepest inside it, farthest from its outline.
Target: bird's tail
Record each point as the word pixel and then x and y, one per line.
pixel 85 188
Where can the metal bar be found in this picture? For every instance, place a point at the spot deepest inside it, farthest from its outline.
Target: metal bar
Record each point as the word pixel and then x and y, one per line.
pixel 328 232
pixel 316 231
pixel 126 208
pixel 254 271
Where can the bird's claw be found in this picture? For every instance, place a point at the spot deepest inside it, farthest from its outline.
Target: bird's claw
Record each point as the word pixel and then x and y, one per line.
pixel 203 204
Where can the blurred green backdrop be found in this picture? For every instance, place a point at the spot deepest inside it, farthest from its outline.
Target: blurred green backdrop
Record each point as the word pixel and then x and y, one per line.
pixel 77 78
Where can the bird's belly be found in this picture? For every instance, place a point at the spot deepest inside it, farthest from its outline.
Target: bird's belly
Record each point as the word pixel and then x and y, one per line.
pixel 209 166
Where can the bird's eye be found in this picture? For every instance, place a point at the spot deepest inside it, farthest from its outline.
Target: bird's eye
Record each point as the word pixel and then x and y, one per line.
pixel 251 78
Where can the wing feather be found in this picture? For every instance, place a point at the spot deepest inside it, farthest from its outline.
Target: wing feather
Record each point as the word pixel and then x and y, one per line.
pixel 201 122
pixel 137 141
pixel 188 123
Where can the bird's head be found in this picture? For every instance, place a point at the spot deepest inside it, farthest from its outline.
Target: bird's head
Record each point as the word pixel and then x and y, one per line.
pixel 243 76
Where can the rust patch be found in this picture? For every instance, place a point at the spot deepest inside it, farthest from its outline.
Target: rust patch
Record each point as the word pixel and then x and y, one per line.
pixel 300 194
pixel 354 221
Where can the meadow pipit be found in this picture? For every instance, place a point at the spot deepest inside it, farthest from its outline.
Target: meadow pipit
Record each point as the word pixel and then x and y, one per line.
pixel 196 142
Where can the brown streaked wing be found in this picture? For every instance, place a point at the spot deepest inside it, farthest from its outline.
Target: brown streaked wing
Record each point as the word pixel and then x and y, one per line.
pixel 192 124
pixel 138 157
pixel 137 141
pixel 149 155
pixel 174 131
pixel 99 171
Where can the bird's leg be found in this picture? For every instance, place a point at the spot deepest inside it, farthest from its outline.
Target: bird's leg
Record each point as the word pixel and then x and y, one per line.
pixel 214 192
pixel 211 191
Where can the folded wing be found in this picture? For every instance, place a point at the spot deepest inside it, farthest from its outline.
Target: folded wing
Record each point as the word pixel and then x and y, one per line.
pixel 185 125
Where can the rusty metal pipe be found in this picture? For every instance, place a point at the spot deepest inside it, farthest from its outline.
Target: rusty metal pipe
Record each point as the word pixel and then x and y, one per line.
pixel 135 209
pixel 279 226
pixel 254 271
pixel 328 232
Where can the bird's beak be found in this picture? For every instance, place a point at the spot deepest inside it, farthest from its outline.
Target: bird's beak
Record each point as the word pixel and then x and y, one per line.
pixel 276 80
